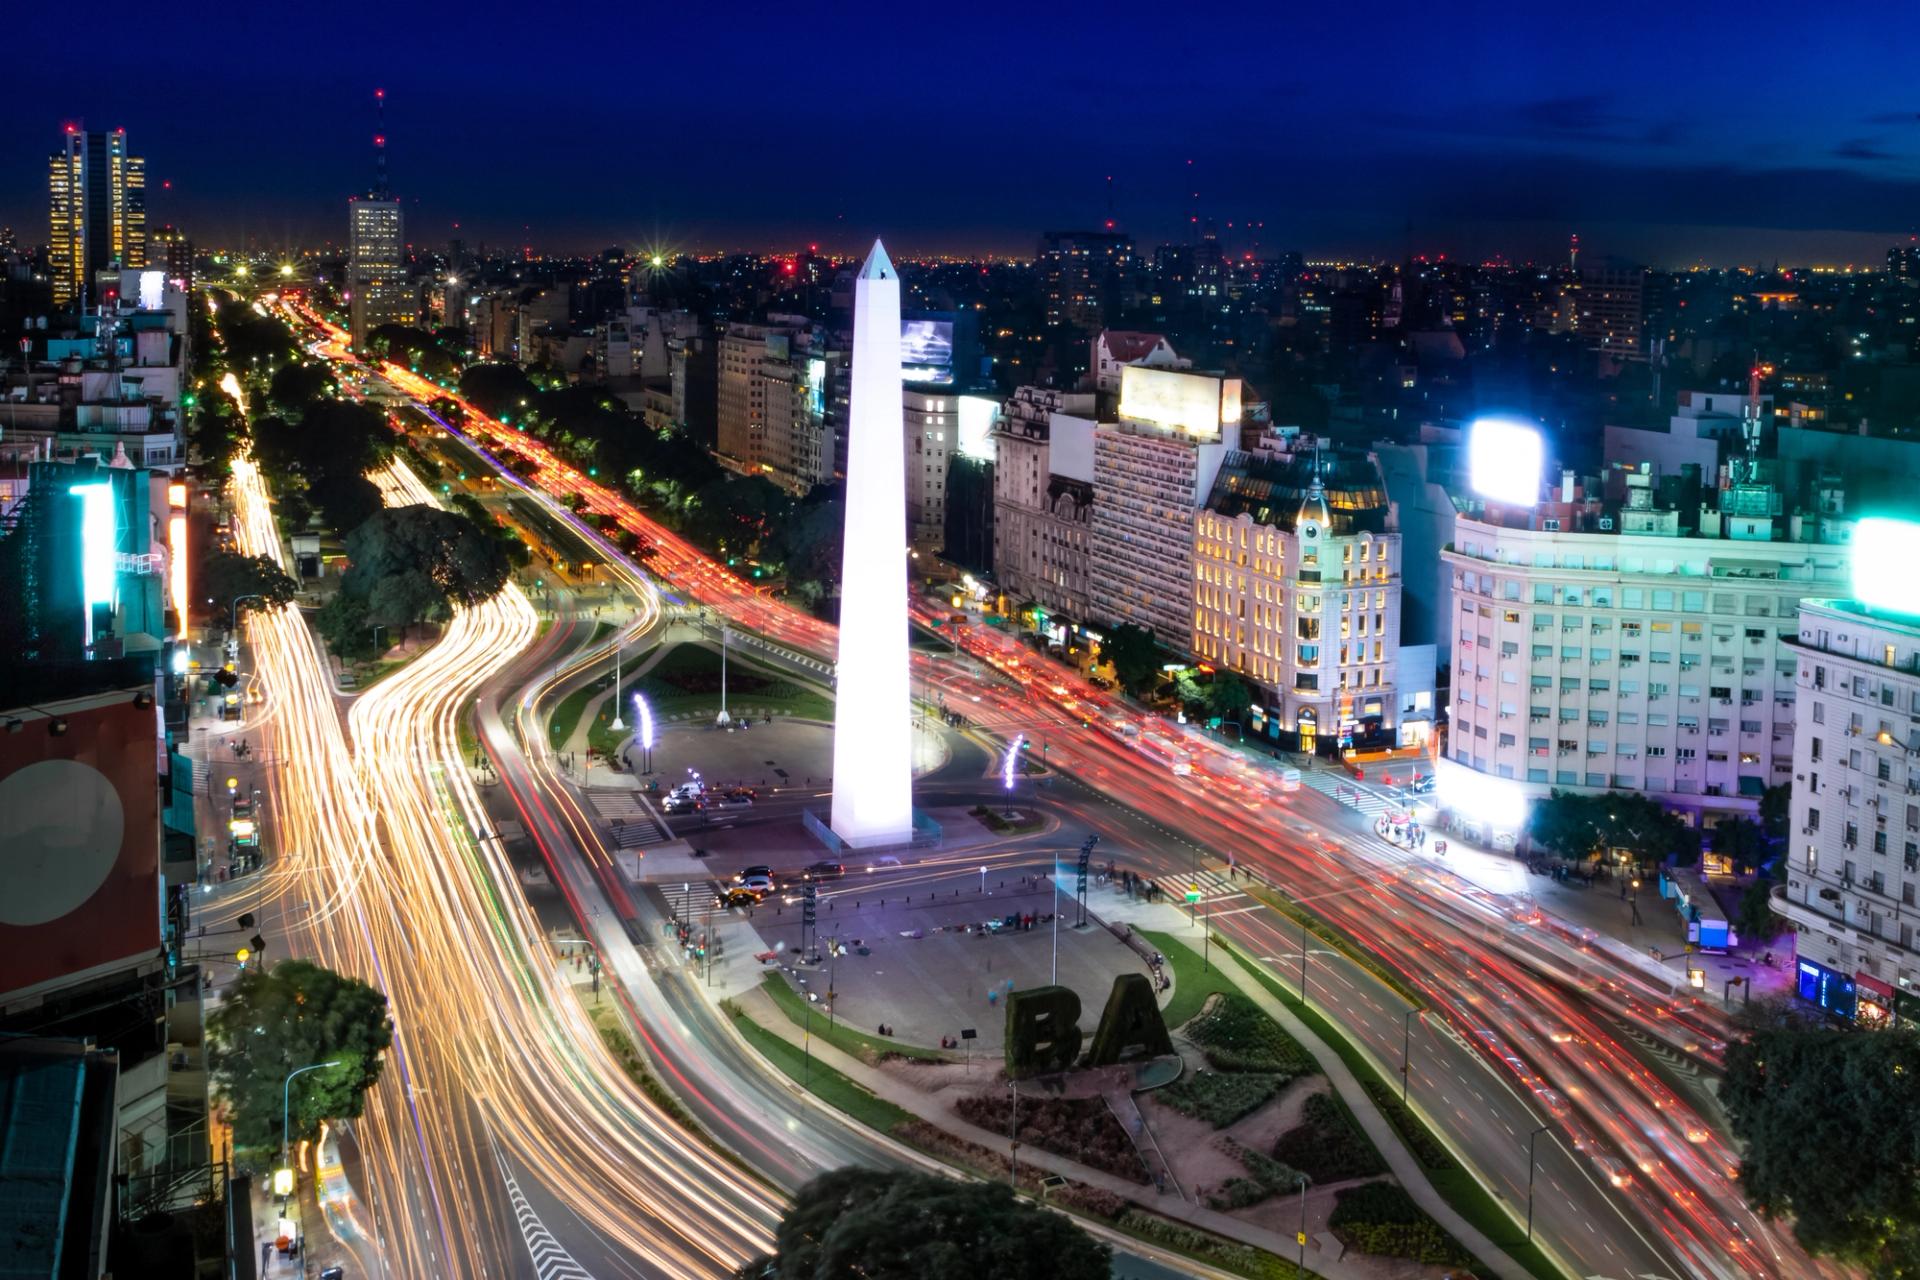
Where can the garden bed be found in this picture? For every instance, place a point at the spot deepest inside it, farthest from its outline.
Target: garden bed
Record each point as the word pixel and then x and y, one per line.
pixel 1221 1098
pixel 1081 1129
pixel 1380 1218
pixel 1328 1145
pixel 1237 1036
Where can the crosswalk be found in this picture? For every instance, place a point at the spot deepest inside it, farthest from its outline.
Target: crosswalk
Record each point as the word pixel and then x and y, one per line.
pixel 691 900
pixel 1219 893
pixel 634 824
pixel 1343 788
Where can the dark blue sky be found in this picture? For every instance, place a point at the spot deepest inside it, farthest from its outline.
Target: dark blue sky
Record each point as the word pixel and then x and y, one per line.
pixel 1674 133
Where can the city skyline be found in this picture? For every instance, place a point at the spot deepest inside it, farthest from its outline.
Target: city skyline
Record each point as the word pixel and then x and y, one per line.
pixel 1467 142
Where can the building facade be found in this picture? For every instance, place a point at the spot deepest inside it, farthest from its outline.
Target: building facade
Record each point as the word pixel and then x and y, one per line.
pixel 1852 890
pixel 1043 498
pixel 1082 273
pixel 97 211
pixel 377 266
pixel 1296 586
pixel 1623 652
pixel 781 401
pixel 1152 470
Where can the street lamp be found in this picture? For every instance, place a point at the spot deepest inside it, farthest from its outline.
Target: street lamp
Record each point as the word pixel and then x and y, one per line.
pixel 286 1096
pixel 643 731
pixel 1531 1139
pixel 618 724
pixel 1406 1051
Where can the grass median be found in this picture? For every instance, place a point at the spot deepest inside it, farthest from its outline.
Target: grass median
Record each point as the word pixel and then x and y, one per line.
pixel 832 1088
pixel 855 1044
pixel 1193 978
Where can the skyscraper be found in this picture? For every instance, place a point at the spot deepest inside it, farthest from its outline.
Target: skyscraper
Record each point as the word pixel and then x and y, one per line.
pixel 376 253
pixel 872 727
pixel 97 201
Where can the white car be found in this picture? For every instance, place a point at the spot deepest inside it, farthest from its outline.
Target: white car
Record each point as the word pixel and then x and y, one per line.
pixel 762 885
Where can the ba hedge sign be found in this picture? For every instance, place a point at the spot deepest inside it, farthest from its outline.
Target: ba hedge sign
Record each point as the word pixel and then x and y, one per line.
pixel 1043 1028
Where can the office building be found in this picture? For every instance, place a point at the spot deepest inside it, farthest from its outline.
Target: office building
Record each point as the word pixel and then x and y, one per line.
pixel 172 253
pixel 780 397
pixel 377 257
pixel 1853 842
pixel 1043 499
pixel 693 375
pixel 97 199
pixel 1607 311
pixel 1082 274
pixel 377 266
pixel 1633 647
pixel 1152 470
pixel 1296 586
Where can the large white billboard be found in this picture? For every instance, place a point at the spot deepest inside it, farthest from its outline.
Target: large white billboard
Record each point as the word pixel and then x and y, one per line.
pixel 1199 404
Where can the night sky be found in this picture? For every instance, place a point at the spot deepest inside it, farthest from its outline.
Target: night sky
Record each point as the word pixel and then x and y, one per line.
pixel 1672 133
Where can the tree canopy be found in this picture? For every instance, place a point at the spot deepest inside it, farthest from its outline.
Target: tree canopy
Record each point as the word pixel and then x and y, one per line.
pixel 408 564
pixel 294 1015
pixel 296 386
pixel 1135 658
pixel 1577 826
pixel 897 1226
pixel 1830 1124
pixel 226 576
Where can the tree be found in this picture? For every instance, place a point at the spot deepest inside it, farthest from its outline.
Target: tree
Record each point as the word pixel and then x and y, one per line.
pixel 345 501
pixel 294 1015
pixel 1830 1127
pixel 296 386
pixel 225 576
pixel 408 562
pixel 1775 804
pixel 1743 841
pixel 896 1226
pixel 343 623
pixel 1754 919
pixel 1229 697
pixel 1135 658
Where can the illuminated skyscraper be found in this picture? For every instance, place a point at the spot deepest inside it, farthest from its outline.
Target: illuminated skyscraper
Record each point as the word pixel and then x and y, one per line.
pixel 97 206
pixel 873 732
pixel 376 255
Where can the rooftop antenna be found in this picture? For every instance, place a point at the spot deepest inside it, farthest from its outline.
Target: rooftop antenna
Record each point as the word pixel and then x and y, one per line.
pixel 380 191
pixel 1110 221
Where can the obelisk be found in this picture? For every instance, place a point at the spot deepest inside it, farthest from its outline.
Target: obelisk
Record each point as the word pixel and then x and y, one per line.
pixel 873 713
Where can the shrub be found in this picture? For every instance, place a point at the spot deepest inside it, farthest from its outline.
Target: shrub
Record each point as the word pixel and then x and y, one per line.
pixel 1381 1218
pixel 1080 1129
pixel 1427 1149
pixel 951 1147
pixel 1328 1145
pixel 1238 1193
pixel 1228 1255
pixel 1237 1036
pixel 1221 1098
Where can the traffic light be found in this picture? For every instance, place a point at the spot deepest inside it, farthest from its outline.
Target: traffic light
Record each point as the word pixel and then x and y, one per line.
pixel 809 905
pixel 226 677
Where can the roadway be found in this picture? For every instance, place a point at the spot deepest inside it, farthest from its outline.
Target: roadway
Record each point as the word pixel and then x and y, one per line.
pixel 1538 1004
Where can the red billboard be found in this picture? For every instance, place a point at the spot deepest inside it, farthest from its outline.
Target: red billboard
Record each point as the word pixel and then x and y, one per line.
pixel 79 841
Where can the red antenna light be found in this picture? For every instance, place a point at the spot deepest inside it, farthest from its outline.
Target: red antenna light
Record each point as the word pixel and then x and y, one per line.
pixel 379 139
pixel 379 93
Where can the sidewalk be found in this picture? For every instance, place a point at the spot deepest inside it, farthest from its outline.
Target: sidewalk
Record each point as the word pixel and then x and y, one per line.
pixel 1602 916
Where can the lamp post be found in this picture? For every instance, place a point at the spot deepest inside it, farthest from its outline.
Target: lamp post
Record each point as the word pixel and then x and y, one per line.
pixel 618 724
pixel 1301 1238
pixel 1013 1138
pixel 643 731
pixel 1532 1138
pixel 233 614
pixel 286 1098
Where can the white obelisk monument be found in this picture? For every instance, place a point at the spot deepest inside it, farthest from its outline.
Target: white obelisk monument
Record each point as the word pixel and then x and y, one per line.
pixel 873 713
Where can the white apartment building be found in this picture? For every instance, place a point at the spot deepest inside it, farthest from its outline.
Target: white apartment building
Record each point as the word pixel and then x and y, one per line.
pixel 1624 654
pixel 1114 349
pixel 1043 498
pixel 780 402
pixel 1852 890
pixel 1297 588
pixel 1152 470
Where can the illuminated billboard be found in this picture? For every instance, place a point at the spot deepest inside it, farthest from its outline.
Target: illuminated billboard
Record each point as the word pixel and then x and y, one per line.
pixel 926 350
pixel 82 820
pixel 1505 460
pixel 1199 404
pixel 1883 557
pixel 977 415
